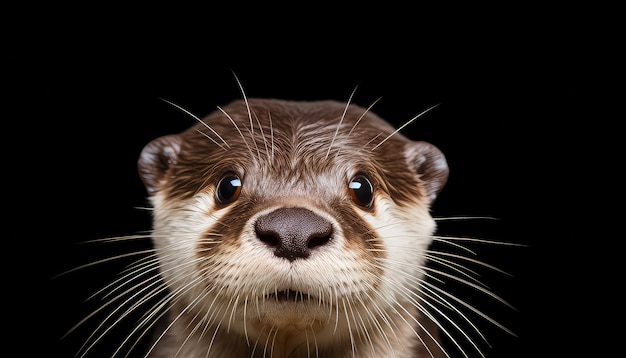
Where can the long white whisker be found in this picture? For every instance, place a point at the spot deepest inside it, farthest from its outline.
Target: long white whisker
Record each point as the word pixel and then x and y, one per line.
pixel 152 285
pixel 101 261
pixel 202 122
pixel 130 300
pixel 263 136
pixel 363 115
pixel 245 98
pixel 403 290
pixel 356 123
pixel 197 300
pixel 404 125
pixel 345 110
pixel 432 255
pixel 237 128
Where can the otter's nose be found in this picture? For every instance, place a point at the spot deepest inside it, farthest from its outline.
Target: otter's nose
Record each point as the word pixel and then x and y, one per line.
pixel 293 232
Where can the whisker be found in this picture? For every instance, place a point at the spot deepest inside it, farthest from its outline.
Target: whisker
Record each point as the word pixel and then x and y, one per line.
pixel 194 302
pixel 356 123
pixel 404 125
pixel 446 218
pixel 203 123
pixel 263 136
pixel 484 241
pixel 117 239
pixel 269 116
pixel 425 284
pixel 237 128
pixel 101 261
pixel 408 294
pixel 350 333
pixel 362 115
pixel 454 324
pixel 345 110
pixel 100 331
pixel 138 297
pixel 133 273
pixel 374 320
pixel 399 288
pixel 432 255
pixel 477 311
pixel 245 98
pixel 428 272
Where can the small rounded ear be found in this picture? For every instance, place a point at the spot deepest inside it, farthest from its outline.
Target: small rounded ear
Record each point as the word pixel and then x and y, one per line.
pixel 431 166
pixel 156 158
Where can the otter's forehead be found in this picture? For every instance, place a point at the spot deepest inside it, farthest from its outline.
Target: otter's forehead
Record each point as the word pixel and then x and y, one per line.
pixel 299 129
pixel 289 146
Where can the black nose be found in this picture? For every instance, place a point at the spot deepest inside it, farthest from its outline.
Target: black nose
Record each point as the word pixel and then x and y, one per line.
pixel 293 232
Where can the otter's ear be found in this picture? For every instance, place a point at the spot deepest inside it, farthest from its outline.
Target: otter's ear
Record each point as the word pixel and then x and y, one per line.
pixel 431 166
pixel 156 158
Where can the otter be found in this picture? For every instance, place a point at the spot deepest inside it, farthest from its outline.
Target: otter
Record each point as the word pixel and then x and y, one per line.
pixel 287 228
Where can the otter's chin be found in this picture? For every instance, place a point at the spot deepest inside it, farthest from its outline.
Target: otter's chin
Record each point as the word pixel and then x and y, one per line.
pixel 292 315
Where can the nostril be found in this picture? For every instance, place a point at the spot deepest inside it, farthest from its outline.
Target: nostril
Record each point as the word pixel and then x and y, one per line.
pixel 269 238
pixel 318 240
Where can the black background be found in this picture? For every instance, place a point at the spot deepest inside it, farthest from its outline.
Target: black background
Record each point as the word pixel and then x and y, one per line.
pixel 86 99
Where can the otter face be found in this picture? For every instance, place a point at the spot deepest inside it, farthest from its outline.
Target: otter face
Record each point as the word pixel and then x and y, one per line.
pixel 282 221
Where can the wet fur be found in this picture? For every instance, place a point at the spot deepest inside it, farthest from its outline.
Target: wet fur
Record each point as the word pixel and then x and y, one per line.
pixel 210 287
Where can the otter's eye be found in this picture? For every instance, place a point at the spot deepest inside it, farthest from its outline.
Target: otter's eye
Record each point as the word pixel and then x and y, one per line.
pixel 361 190
pixel 228 188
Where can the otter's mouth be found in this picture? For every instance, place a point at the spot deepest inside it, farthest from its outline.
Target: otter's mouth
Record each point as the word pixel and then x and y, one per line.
pixel 290 295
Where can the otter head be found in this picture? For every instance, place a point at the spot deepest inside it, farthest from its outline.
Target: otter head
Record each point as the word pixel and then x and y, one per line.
pixel 281 221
